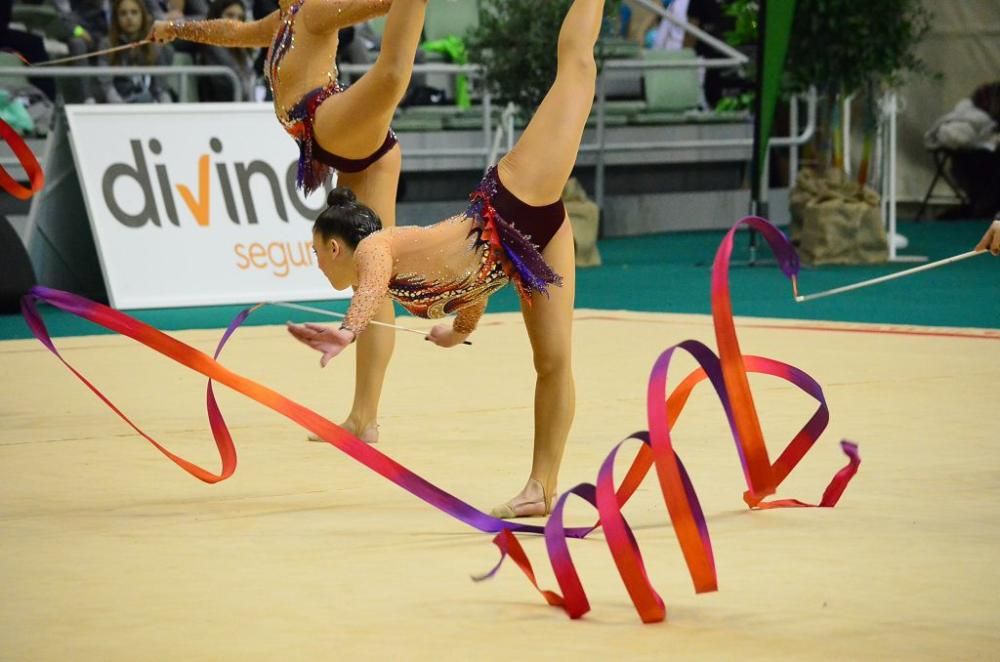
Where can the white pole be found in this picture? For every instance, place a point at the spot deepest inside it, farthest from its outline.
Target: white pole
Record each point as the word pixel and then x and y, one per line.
pixel 498 136
pixel 845 138
pixel 330 313
pixel 793 153
pixel 891 160
pixel 765 181
pixel 880 152
pixel 882 279
pixel 891 174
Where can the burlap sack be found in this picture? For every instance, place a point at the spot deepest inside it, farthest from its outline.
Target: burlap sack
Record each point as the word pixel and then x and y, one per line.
pixel 839 223
pixel 584 217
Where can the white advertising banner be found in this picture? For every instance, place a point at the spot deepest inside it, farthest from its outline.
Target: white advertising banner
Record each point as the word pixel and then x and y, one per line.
pixel 195 204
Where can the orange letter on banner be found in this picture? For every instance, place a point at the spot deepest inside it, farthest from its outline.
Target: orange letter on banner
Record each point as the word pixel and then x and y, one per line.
pixel 199 208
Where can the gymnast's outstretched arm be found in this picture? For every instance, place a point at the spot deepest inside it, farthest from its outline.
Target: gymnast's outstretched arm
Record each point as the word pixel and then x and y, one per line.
pixel 219 31
pixel 373 260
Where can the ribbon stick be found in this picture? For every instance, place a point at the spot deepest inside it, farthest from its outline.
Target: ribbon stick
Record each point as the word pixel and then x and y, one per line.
pixel 802 298
pixel 330 313
pixel 85 56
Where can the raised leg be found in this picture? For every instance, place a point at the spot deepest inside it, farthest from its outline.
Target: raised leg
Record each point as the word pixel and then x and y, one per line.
pixel 537 168
pixel 354 124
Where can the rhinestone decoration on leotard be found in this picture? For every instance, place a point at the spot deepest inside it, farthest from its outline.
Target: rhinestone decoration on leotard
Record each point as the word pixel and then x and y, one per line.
pixel 284 42
pixel 432 271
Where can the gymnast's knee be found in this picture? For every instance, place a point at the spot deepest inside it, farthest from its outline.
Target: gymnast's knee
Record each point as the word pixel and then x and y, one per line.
pixel 551 364
pixel 576 58
pixel 392 74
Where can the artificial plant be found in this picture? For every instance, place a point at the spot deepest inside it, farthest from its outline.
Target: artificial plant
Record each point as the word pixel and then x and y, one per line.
pixel 517 41
pixel 851 47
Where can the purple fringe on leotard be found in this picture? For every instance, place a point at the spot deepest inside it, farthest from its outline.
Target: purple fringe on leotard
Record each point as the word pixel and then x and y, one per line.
pixel 312 173
pixel 530 271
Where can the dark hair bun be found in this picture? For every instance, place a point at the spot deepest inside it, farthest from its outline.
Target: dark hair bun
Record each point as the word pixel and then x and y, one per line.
pixel 341 197
pixel 346 218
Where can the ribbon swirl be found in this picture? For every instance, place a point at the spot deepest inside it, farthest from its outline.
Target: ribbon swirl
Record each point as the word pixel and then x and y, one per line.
pixel 27 160
pixel 727 373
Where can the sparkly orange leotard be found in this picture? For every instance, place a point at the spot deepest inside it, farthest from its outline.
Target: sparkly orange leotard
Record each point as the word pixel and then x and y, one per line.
pixel 455 265
pixel 315 162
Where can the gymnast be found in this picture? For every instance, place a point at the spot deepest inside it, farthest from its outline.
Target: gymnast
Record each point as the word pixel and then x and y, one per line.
pixel 342 129
pixel 515 229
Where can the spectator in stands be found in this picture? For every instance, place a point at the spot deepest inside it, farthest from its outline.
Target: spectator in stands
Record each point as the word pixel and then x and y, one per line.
pixel 130 23
pixel 85 24
pixel 183 10
pixel 639 21
pixel 972 137
pixel 710 17
pixel 240 60
pixel 260 9
pixel 29 46
pixel 177 9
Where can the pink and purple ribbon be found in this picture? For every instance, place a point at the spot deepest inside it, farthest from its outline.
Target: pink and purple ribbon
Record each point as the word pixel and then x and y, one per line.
pixel 727 373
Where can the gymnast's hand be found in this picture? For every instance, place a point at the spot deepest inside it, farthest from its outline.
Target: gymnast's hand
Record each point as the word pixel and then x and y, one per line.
pixel 443 335
pixel 163 32
pixel 322 338
pixel 991 240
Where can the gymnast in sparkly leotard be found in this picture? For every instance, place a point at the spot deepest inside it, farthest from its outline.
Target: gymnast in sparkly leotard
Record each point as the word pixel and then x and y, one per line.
pixel 514 230
pixel 315 162
pixel 342 129
pixel 449 267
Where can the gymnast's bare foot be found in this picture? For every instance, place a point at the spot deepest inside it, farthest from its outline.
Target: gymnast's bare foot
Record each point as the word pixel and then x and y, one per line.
pixel 366 433
pixel 530 502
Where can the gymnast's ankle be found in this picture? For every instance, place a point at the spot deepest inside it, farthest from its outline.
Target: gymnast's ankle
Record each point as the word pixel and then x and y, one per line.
pixel 367 433
pixel 532 501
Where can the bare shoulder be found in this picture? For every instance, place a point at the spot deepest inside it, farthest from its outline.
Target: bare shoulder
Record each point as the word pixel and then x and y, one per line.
pixel 375 245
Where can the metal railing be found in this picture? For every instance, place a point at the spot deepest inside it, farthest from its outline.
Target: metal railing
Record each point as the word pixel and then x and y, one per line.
pixel 470 70
pixel 140 70
pixel 600 146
